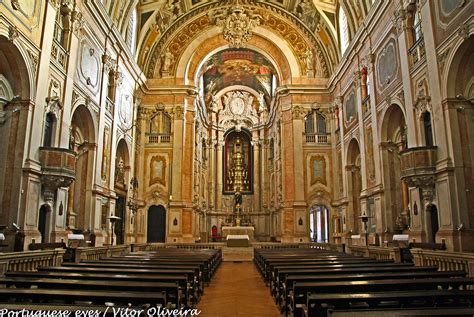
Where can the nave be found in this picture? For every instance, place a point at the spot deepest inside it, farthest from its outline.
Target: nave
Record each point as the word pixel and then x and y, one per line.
pixel 237 290
pixel 184 280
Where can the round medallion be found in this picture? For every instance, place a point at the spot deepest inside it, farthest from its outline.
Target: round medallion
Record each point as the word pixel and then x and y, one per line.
pixel 237 106
pixel 125 112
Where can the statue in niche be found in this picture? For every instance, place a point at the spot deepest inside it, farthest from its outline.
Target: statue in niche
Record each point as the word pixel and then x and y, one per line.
pixel 261 102
pixel 238 199
pixel 309 62
pixel 120 172
pixel 168 59
pixel 213 106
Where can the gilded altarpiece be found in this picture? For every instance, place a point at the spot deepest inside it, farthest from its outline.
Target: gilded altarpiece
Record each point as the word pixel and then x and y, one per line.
pixel 238 163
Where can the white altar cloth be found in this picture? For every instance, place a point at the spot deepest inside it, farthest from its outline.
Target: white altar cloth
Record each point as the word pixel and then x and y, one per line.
pixel 226 230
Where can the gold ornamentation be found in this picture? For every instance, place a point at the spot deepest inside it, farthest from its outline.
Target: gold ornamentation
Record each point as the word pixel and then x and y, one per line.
pixel 237 24
pixel 12 33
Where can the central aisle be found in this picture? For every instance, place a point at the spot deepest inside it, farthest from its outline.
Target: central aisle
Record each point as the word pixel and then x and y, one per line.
pixel 237 290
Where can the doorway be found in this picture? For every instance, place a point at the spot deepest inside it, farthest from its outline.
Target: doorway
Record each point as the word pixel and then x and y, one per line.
pixel 43 223
pixel 433 223
pixel 156 228
pixel 319 224
pixel 120 224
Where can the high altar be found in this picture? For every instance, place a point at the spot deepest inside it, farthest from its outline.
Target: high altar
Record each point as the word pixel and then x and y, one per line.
pixel 238 230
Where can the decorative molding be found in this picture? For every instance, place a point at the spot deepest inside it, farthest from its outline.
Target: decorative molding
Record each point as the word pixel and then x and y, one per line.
pixel 356 78
pixel 442 58
pixel 318 170
pixel 109 63
pixel 464 31
pixel 12 33
pixel 78 22
pixel 16 5
pixel 297 113
pixel 178 113
pixel 399 20
pixel 158 170
pixel 237 24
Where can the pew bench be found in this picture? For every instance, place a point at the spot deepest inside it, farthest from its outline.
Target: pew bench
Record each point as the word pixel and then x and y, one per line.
pixel 170 289
pixel 193 274
pixel 276 285
pixel 300 290
pixel 318 304
pixel 182 280
pixel 82 296
pixel 290 280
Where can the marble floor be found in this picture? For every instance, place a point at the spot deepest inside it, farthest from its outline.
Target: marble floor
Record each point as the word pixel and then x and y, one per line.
pixel 237 290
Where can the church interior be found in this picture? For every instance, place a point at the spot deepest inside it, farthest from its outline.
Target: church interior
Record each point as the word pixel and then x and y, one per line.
pixel 164 131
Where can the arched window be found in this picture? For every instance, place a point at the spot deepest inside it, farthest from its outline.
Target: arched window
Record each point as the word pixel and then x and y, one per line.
pixel 160 123
pixel 428 129
pixel 309 123
pixel 59 29
pixel 417 31
pixel 131 35
pixel 111 86
pixel 315 123
pixel 343 30
pixel 49 130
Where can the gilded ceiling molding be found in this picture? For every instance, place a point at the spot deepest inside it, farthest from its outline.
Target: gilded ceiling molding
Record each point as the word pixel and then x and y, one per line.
pixel 183 30
pixel 237 24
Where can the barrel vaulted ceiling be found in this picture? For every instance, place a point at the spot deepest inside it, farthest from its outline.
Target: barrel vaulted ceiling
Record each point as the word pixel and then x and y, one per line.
pixel 171 25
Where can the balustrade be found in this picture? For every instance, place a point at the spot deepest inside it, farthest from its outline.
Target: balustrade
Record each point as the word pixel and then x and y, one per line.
pixel 444 260
pixel 30 260
pixel 155 138
pixel 314 138
pixel 59 55
pixel 417 52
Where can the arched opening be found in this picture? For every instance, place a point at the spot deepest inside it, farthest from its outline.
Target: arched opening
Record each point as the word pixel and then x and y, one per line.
pixel 14 70
pixel 396 191
pixel 44 220
pixel 49 127
pixel 238 162
pixel 460 97
pixel 427 128
pixel 14 105
pixel 355 186
pixel 433 222
pixel 83 143
pixel 319 223
pixel 343 30
pixel 156 225
pixel 122 172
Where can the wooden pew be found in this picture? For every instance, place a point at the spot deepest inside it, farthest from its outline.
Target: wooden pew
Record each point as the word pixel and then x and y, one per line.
pixel 193 274
pixel 182 280
pixel 75 296
pixel 276 284
pixel 404 312
pixel 318 304
pixel 170 289
pixel 290 280
pixel 136 263
pixel 300 290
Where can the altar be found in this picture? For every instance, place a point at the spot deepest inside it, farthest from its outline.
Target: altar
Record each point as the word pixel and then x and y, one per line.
pixel 238 230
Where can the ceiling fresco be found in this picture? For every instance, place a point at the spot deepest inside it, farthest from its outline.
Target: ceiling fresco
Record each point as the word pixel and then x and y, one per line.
pixel 238 67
